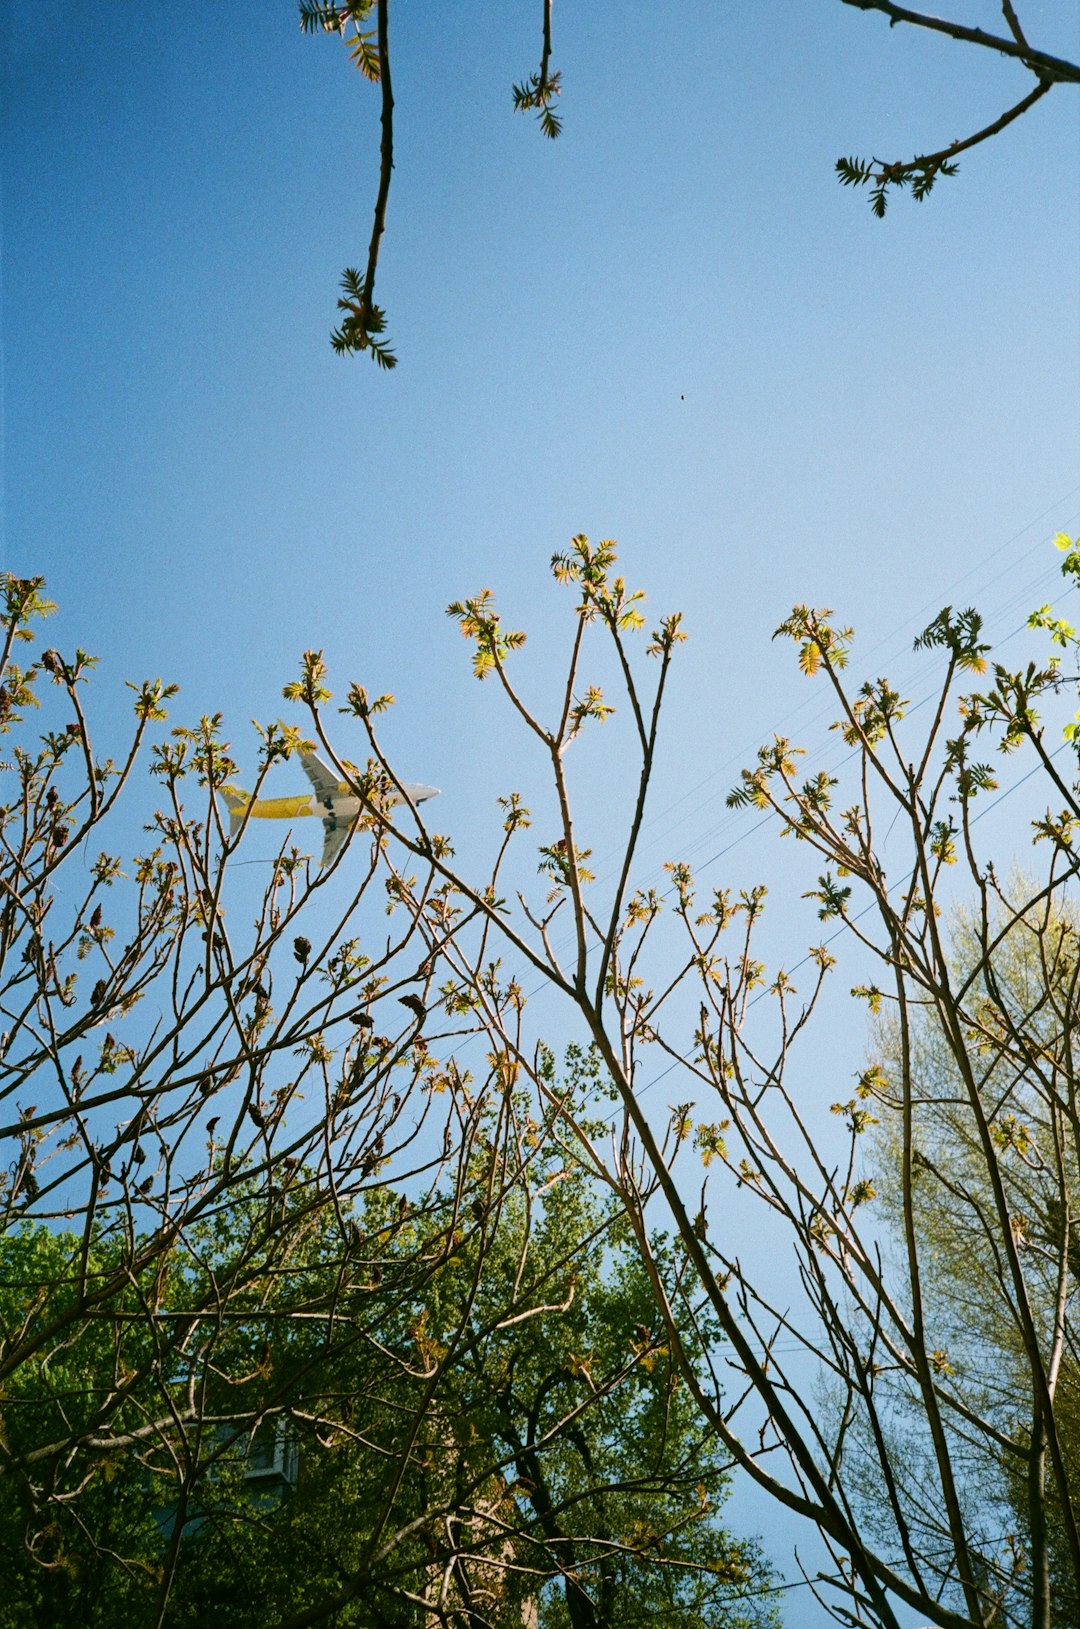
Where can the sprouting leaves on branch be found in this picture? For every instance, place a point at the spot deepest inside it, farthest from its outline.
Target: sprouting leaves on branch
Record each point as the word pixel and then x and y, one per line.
pixel 363 326
pixel 539 93
pixel 481 623
pixel 361 329
pixel 917 176
pixel 920 174
pixel 319 17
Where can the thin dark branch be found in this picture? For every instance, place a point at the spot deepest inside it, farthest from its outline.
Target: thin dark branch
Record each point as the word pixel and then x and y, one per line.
pixel 1041 63
pixel 364 323
pixel 386 154
pixel 934 161
pixel 545 58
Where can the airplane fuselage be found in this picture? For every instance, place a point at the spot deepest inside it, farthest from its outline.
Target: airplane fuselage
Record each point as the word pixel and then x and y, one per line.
pixel 343 810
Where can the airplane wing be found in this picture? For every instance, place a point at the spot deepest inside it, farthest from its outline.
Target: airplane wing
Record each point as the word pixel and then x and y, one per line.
pixel 336 833
pixel 328 786
pixel 322 778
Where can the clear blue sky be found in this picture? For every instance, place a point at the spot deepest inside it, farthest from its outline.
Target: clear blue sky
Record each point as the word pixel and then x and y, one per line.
pixel 671 326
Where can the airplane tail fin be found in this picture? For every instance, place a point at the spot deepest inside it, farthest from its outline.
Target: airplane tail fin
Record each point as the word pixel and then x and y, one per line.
pixel 237 802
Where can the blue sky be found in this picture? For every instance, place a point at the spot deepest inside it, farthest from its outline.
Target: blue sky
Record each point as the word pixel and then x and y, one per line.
pixel 671 327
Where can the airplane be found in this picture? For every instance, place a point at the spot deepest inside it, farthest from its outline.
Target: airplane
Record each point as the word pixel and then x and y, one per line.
pixel 333 801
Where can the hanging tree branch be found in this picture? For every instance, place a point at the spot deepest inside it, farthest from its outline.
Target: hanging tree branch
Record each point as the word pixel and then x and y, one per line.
pixel 1041 63
pixel 922 172
pixel 363 323
pixel 540 90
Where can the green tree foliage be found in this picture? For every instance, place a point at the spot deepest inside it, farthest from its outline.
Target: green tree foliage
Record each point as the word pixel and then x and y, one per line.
pixel 495 1439
pixel 1021 968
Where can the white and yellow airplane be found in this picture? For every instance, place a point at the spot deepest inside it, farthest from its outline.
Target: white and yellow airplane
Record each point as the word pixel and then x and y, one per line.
pixel 333 801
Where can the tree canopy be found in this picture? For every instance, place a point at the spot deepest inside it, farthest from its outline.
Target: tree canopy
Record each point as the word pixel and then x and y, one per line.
pixel 457 1275
pixel 922 1539
pixel 991 1335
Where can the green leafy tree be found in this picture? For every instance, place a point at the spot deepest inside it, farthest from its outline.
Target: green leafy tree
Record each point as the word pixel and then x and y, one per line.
pixel 1022 971
pixel 493 1435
